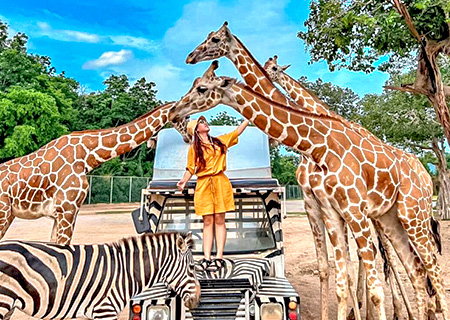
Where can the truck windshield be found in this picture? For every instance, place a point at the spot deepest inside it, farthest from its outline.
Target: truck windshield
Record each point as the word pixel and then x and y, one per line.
pixel 248 228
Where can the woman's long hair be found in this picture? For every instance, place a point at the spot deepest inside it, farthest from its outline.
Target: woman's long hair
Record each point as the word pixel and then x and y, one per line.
pixel 199 157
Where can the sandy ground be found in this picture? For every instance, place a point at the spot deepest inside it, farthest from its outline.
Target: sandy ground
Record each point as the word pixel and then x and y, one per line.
pixel 301 266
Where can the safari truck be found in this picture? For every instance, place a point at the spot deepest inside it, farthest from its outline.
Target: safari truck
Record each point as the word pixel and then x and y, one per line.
pixel 252 284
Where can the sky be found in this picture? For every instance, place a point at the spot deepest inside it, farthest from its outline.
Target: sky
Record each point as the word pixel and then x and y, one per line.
pixel 90 40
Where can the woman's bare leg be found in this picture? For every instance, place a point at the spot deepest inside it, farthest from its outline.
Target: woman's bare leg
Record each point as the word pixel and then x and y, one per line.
pixel 221 233
pixel 208 235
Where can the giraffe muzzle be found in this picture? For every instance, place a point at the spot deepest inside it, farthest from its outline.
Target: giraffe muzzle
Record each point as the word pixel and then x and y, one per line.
pixel 190 58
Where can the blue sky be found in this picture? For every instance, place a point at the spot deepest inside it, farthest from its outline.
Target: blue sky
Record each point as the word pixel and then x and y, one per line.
pixel 90 40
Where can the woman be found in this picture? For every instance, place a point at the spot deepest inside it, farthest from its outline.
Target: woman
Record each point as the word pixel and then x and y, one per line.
pixel 213 193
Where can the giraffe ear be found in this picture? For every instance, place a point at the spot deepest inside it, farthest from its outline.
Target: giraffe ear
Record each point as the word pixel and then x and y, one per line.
pixel 227 83
pixel 285 67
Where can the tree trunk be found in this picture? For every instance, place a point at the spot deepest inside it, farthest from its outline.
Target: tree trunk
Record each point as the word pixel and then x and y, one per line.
pixel 443 203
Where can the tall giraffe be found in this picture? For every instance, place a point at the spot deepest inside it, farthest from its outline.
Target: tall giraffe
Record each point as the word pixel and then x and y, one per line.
pixel 224 43
pixel 354 178
pixel 300 95
pixel 51 182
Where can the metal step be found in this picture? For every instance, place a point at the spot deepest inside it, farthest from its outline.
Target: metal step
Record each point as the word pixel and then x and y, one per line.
pixel 220 299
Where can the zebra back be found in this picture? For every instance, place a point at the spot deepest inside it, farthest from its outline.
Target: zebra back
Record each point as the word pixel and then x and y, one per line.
pixel 47 280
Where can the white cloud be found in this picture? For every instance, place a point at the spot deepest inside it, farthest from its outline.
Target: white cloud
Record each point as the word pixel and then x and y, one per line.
pixel 66 35
pixel 134 42
pixel 127 41
pixel 169 80
pixel 109 58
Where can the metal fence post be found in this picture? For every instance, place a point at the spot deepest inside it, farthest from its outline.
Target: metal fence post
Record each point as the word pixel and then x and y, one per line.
pixel 131 184
pixel 90 189
pixel 111 192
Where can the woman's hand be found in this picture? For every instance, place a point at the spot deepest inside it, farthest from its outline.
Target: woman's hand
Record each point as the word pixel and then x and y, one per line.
pixel 181 184
pixel 242 126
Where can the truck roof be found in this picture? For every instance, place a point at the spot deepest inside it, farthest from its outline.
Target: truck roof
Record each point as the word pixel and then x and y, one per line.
pixel 249 159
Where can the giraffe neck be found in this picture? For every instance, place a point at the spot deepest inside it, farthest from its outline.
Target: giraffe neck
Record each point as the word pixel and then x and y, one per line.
pixel 105 145
pixel 303 97
pixel 253 73
pixel 309 134
pixel 312 103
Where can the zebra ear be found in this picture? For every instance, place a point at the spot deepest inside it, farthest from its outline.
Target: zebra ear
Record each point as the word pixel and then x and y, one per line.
pixel 181 243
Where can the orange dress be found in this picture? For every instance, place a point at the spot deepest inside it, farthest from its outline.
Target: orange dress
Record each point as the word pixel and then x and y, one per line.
pixel 213 192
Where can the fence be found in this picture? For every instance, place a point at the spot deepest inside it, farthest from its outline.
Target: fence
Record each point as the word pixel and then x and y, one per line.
pixel 116 189
pixel 293 192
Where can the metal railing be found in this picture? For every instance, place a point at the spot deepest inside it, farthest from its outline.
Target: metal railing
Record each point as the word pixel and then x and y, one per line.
pixel 115 189
pixel 119 189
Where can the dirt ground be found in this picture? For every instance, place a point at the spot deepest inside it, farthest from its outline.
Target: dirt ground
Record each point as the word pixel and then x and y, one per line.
pixel 301 266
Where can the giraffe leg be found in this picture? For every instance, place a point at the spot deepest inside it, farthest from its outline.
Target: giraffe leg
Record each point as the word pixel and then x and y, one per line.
pixel 389 225
pixel 360 227
pixel 53 236
pixel 65 224
pixel 318 230
pixel 390 268
pixel 390 255
pixel 355 311
pixel 335 228
pixel 6 216
pixel 419 234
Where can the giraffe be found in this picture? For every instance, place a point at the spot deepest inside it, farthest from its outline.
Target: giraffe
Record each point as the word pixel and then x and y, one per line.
pixel 51 182
pixel 299 94
pixel 224 43
pixel 354 178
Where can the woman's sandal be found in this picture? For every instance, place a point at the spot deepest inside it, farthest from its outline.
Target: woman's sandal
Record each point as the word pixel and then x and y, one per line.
pixel 203 264
pixel 216 265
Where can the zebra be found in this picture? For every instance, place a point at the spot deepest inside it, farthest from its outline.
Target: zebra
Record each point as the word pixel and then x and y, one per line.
pixel 51 281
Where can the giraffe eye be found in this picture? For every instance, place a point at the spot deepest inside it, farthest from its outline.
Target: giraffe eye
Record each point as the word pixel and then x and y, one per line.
pixel 202 89
pixel 215 40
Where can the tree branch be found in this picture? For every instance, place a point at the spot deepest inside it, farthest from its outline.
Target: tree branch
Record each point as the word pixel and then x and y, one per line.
pixel 406 88
pixel 420 146
pixel 403 11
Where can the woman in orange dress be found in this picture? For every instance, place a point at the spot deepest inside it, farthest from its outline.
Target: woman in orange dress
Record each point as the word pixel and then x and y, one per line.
pixel 213 195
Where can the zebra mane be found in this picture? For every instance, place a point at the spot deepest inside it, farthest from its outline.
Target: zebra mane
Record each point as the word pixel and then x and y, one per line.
pixel 184 235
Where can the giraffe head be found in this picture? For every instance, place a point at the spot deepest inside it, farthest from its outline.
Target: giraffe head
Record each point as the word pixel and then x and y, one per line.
pixel 217 44
pixel 274 70
pixel 206 93
pixel 181 126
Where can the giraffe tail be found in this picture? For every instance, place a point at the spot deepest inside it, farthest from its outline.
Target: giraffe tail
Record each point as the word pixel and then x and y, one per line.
pixel 386 266
pixel 430 289
pixel 436 231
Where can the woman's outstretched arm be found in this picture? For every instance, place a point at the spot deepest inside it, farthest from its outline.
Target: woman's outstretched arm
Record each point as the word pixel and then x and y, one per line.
pixel 242 126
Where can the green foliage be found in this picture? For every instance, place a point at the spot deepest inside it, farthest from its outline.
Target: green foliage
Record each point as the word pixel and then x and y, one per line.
pixel 29 120
pixel 402 119
pixel 343 101
pixel 356 34
pixel 118 104
pixel 223 119
pixel 284 167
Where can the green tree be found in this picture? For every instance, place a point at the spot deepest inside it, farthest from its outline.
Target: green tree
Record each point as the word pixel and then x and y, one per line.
pixel 360 35
pixel 30 119
pixel 409 121
pixel 224 119
pixel 343 101
pixel 119 104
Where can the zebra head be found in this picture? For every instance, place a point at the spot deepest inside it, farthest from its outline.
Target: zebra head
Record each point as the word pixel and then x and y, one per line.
pixel 181 127
pixel 182 278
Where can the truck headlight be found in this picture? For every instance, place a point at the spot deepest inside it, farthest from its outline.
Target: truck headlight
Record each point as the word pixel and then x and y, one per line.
pixel 158 313
pixel 271 311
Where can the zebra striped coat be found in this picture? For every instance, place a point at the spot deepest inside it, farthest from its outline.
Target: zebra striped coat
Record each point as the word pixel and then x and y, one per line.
pixel 92 281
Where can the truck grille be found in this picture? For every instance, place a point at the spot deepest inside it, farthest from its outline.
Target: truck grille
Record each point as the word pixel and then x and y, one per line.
pixel 221 299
